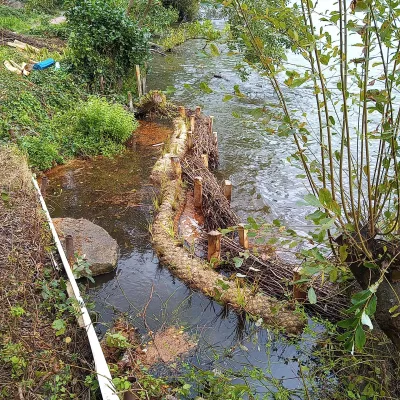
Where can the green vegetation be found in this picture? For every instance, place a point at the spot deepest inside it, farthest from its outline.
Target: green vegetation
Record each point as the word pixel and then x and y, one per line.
pixel 16 20
pixel 105 44
pixel 188 9
pixel 186 31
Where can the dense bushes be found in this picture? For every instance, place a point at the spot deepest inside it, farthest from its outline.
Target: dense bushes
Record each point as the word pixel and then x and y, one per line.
pixel 43 152
pixel 96 127
pixel 93 127
pixel 104 42
pixel 188 9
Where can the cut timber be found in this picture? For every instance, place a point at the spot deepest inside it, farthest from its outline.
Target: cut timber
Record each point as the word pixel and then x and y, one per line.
pixel 138 81
pixel 192 123
pixel 198 192
pixel 214 247
pixel 182 111
pixel 243 238
pixel 299 290
pixel 228 190
pixel 190 140
pixel 69 246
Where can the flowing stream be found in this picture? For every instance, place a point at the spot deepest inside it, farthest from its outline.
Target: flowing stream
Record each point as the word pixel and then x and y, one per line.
pixel 117 195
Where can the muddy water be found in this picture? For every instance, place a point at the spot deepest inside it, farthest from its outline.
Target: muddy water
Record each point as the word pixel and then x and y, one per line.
pixel 117 195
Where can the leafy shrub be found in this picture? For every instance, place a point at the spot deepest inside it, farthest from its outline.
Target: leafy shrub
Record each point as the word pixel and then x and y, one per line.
pixel 157 19
pixel 188 9
pixel 96 127
pixel 101 119
pixel 43 153
pixel 104 41
pixel 190 30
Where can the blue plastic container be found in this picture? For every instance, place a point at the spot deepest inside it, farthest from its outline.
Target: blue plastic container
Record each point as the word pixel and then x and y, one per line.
pixel 44 64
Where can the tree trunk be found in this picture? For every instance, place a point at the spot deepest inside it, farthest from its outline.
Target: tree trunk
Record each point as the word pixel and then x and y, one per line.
pixel 388 293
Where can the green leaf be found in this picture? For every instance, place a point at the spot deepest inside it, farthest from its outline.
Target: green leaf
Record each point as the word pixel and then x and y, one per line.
pixel 343 254
pixel 325 197
pixel 222 284
pixel 59 326
pixel 205 88
pixel 394 308
pixel 371 308
pixel 214 50
pixel 227 97
pixel 359 337
pixel 312 200
pixel 238 262
pixel 5 197
pixel 347 323
pixel 312 297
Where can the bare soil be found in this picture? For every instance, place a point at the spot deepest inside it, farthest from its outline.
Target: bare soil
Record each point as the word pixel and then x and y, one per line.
pixel 48 43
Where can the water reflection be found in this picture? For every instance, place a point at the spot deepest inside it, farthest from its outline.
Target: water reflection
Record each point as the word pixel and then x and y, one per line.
pixel 225 339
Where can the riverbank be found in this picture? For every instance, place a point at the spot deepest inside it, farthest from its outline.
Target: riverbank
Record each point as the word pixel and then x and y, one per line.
pixel 195 272
pixel 42 352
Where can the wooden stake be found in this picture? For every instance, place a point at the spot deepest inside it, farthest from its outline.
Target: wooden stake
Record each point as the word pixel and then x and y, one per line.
pixel 69 247
pixel 211 124
pixel 130 101
pixel 198 111
pixel 215 138
pixel 176 167
pixel 144 84
pixel 198 192
pixel 299 290
pixel 243 239
pixel 138 80
pixel 214 246
pixel 43 186
pixel 228 190
pixel 204 157
pixel 182 111
pixel 189 140
pixel 192 123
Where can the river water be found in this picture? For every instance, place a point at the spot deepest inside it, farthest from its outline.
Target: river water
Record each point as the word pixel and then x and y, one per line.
pixel 117 195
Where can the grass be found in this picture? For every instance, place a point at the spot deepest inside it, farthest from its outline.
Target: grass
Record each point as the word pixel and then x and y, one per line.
pixel 36 361
pixel 20 20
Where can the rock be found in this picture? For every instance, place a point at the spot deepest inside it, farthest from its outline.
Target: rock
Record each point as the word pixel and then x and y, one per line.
pixel 91 240
pixel 58 20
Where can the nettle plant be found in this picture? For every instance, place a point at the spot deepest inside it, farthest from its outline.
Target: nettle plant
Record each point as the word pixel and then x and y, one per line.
pixel 347 144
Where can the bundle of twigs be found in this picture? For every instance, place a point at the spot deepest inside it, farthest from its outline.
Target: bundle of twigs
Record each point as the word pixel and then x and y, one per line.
pixel 203 140
pixel 215 206
pixel 275 278
pixel 270 274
